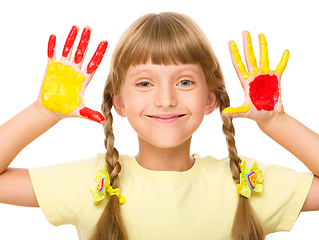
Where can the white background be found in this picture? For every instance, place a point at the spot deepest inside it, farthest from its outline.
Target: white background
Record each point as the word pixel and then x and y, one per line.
pixel 26 26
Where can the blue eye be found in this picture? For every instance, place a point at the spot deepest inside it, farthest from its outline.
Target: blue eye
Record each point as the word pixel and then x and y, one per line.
pixel 185 83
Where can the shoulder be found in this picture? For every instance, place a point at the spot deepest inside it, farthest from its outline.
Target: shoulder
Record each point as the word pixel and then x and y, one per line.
pixel 63 190
pixel 284 191
pixel 279 182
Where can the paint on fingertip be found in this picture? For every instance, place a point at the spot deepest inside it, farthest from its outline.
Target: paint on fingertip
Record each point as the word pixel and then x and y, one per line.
pixel 84 41
pixel 251 56
pixel 51 46
pixel 283 62
pixel 97 57
pixel 264 60
pixel 92 115
pixel 240 109
pixel 264 92
pixel 70 41
pixel 240 64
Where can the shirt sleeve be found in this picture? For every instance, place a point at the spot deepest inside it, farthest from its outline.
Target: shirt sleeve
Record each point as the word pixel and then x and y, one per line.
pixel 282 199
pixel 63 190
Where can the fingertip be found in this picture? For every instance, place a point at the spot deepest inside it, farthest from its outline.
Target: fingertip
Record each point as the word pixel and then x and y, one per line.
pixel 87 27
pixel 105 44
pixel 283 62
pixel 228 110
pixel 75 26
pixel 286 55
pixel 82 47
pixel 74 30
pixel 245 33
pixel 92 115
pixel 51 46
pixel 86 34
pixel 247 37
pixel 227 114
pixel 262 37
pixel 286 52
pixel 233 47
pixel 70 41
pixel 234 112
pixel 97 57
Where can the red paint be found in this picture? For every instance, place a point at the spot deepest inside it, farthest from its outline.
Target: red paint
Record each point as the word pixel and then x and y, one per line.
pixel 51 46
pixel 82 45
pixel 92 115
pixel 97 58
pixel 264 92
pixel 70 41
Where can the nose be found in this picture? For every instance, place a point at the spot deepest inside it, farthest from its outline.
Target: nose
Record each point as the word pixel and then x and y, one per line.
pixel 165 97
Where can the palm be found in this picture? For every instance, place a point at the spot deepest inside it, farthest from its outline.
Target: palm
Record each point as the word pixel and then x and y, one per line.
pixel 64 82
pixel 261 85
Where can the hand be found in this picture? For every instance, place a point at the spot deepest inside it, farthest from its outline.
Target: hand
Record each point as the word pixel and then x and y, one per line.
pixel 261 85
pixel 64 82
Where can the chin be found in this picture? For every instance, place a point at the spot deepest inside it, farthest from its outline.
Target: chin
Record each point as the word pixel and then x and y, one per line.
pixel 165 142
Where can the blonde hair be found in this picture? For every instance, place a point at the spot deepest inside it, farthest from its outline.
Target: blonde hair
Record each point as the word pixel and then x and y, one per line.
pixel 167 38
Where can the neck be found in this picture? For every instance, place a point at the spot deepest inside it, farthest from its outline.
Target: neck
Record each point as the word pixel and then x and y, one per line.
pixel 165 159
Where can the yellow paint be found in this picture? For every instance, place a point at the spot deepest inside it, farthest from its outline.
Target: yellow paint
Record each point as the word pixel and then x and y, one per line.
pixel 240 109
pixel 283 62
pixel 264 60
pixel 251 56
pixel 61 87
pixel 240 64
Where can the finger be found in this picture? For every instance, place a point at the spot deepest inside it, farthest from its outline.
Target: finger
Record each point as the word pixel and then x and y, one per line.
pixel 264 60
pixel 240 109
pixel 283 62
pixel 92 115
pixel 51 47
pixel 249 54
pixel 97 58
pixel 237 62
pixel 67 50
pixel 82 47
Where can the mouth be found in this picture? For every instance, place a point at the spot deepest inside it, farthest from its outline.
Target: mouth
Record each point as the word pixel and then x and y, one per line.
pixel 166 118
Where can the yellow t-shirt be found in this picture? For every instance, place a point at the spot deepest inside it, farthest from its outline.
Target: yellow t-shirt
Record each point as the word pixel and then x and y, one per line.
pixel 196 204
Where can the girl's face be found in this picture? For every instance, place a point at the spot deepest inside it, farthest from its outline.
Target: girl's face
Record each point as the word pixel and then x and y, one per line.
pixel 165 104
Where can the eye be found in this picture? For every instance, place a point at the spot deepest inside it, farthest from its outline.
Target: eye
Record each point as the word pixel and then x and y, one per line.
pixel 144 84
pixel 185 83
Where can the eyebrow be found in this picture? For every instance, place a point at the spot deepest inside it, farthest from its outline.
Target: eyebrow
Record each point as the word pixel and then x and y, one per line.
pixel 180 69
pixel 137 72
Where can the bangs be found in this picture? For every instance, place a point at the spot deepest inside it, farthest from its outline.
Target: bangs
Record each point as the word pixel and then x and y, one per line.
pixel 163 39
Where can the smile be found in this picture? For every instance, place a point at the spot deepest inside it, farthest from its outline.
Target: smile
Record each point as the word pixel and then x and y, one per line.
pixel 166 118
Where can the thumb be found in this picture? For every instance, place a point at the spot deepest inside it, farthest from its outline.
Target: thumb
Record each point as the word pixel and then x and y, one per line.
pixel 92 115
pixel 236 112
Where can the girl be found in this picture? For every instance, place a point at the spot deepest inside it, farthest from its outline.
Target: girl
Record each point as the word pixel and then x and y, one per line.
pixel 164 78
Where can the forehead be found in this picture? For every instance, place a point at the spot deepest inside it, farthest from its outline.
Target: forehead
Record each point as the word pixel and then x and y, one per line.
pixel 172 68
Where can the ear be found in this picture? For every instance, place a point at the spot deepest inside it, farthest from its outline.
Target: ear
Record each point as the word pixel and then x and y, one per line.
pixel 212 100
pixel 118 104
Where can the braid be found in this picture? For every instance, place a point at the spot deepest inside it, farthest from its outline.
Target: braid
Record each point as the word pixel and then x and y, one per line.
pixel 229 131
pixel 246 225
pixel 112 155
pixel 110 225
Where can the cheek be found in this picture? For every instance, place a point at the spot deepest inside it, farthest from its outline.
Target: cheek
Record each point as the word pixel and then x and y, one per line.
pixel 196 103
pixel 134 108
pixel 134 104
pixel 197 108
